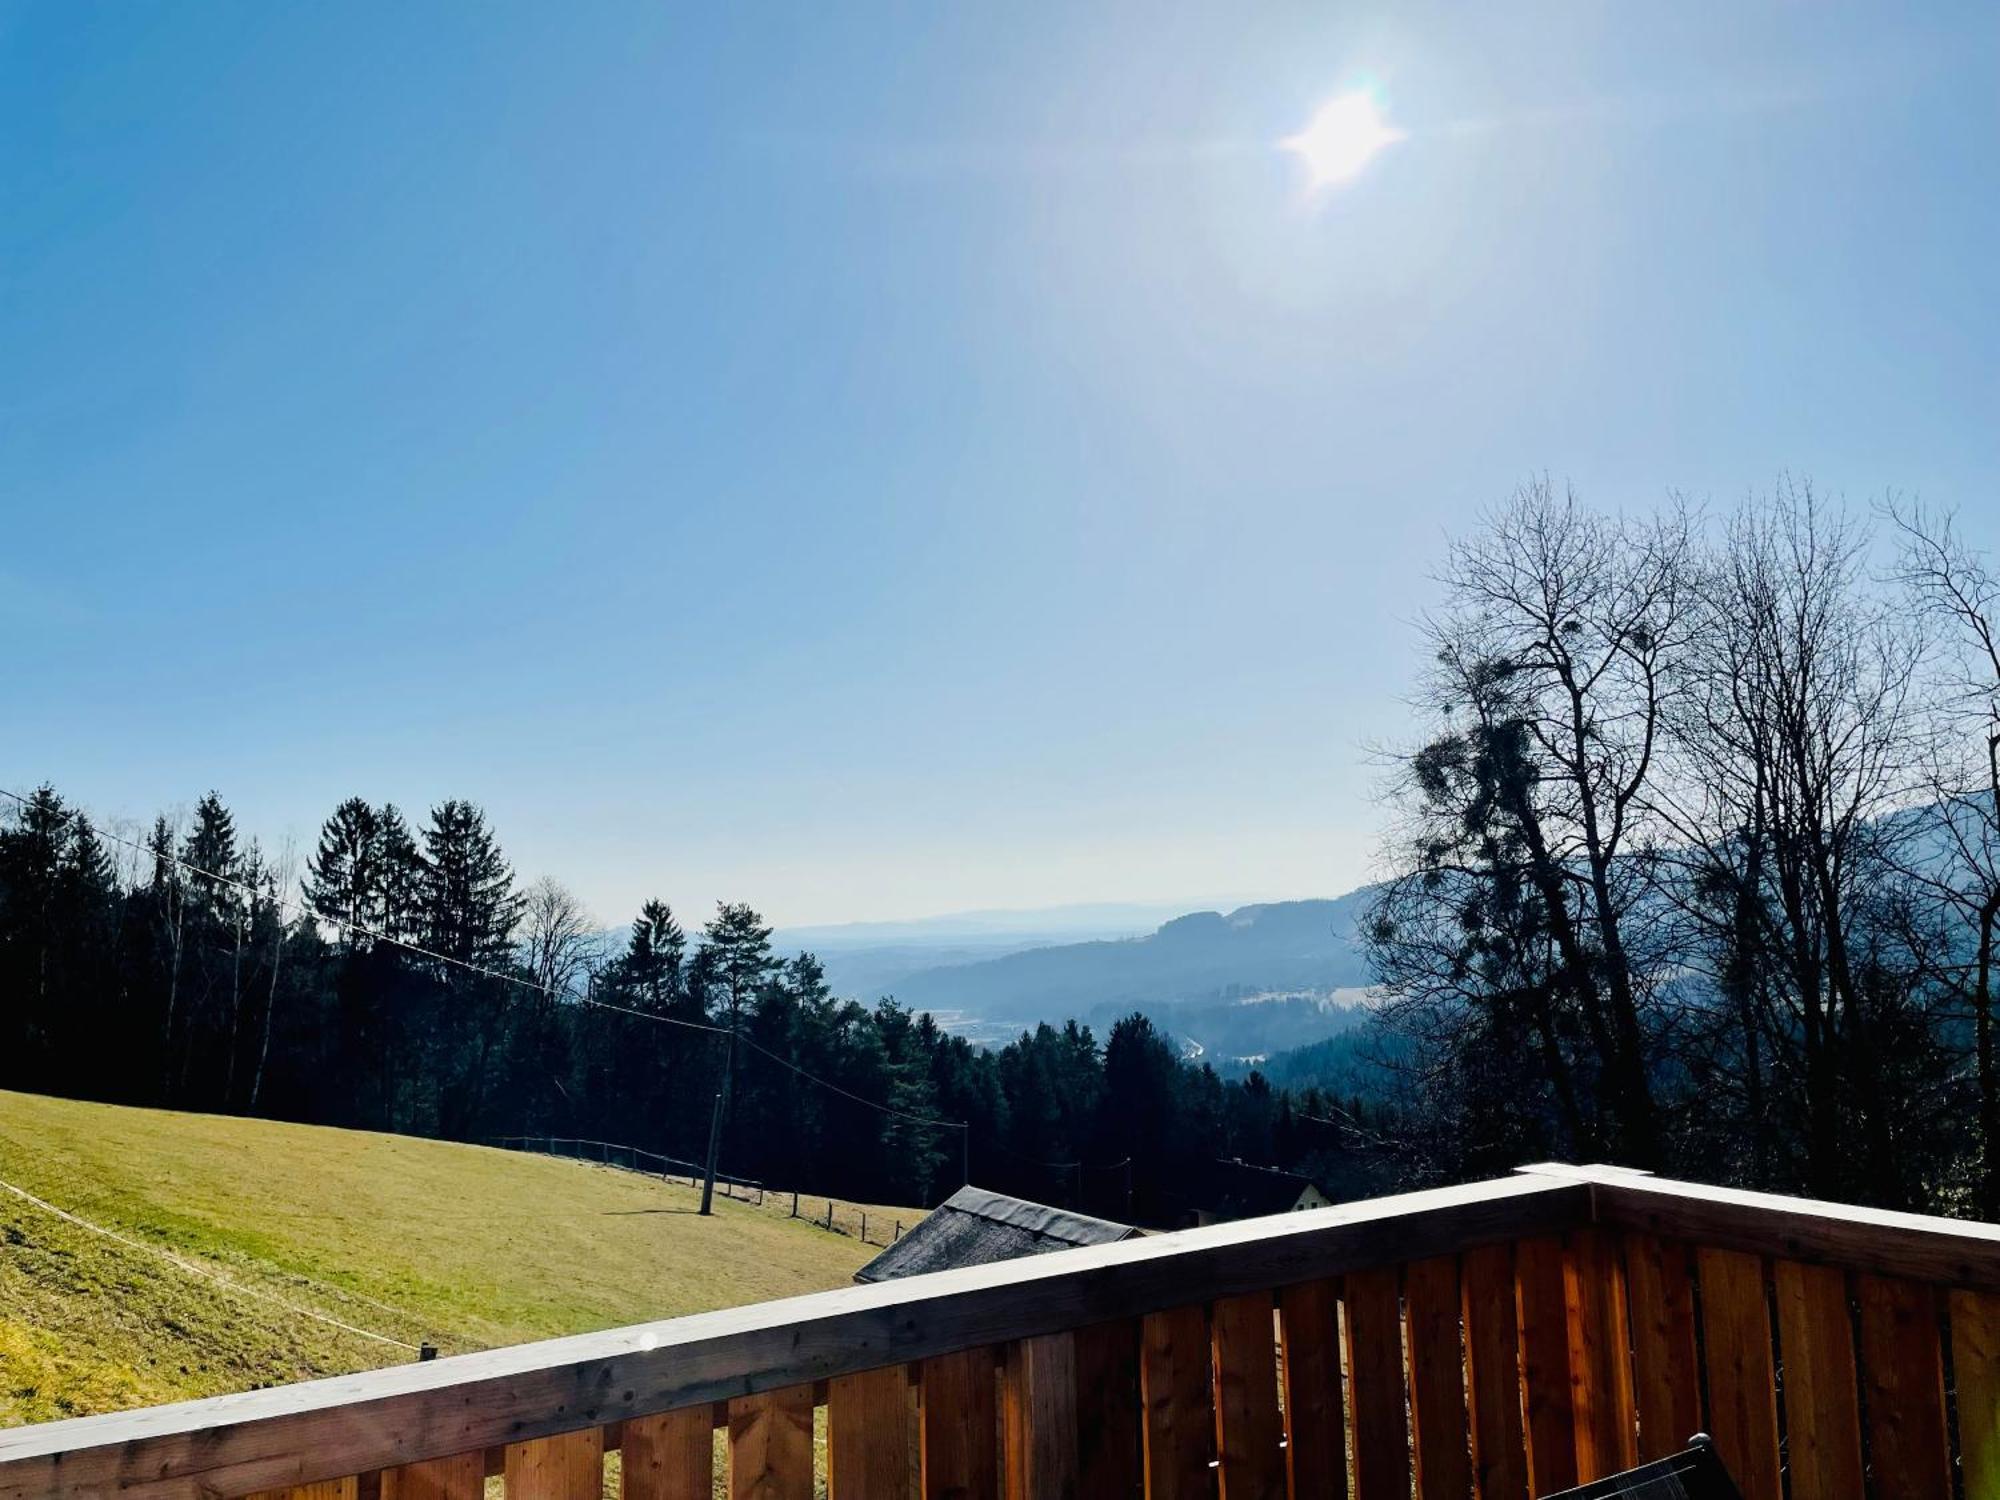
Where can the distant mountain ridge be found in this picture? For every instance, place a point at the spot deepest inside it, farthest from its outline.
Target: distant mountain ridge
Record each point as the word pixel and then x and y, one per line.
pixel 1273 947
pixel 1238 983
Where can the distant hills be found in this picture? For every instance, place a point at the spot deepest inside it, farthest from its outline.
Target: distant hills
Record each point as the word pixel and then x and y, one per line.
pixel 1243 983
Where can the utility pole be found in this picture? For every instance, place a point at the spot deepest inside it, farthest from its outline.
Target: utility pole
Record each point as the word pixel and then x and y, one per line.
pixel 714 1149
pixel 715 1121
pixel 965 1153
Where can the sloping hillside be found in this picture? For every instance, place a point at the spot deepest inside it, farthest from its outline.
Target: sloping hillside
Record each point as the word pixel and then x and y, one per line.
pixel 406 1239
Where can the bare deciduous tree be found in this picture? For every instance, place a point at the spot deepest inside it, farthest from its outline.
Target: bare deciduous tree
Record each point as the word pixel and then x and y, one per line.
pixel 1555 657
pixel 557 939
pixel 1958 863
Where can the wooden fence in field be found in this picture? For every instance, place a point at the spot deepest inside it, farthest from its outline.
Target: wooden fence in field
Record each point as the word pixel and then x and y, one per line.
pixel 1496 1340
pixel 835 1215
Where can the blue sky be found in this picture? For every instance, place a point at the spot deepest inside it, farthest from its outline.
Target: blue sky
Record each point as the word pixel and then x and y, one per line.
pixel 880 461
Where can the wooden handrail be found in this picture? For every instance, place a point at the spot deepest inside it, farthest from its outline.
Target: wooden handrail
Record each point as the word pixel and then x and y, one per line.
pixel 1542 1328
pixel 354 1424
pixel 1921 1247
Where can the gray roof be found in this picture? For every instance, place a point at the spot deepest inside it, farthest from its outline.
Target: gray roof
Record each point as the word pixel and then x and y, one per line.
pixel 974 1227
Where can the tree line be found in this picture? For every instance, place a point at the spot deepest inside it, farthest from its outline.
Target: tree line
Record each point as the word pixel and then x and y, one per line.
pixel 401 978
pixel 1695 866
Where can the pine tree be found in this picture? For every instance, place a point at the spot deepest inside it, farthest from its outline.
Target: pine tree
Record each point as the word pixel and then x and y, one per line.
pixel 211 848
pixel 650 969
pixel 739 946
pixel 401 914
pixel 470 909
pixel 344 877
pixel 470 905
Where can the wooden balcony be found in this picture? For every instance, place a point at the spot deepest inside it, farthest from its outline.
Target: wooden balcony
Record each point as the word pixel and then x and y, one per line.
pixel 1499 1340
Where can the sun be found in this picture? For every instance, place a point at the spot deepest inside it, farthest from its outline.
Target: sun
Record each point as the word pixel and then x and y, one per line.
pixel 1342 137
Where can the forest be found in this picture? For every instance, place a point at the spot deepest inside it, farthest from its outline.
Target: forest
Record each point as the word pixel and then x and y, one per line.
pixel 1692 863
pixel 403 980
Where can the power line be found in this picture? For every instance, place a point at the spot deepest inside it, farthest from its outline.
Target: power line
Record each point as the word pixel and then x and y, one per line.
pixel 197 1270
pixel 298 908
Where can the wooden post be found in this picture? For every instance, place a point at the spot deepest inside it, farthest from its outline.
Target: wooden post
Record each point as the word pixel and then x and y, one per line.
pixel 795 1203
pixel 714 1148
pixel 864 1226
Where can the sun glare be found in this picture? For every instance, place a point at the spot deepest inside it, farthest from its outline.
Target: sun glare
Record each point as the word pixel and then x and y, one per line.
pixel 1342 137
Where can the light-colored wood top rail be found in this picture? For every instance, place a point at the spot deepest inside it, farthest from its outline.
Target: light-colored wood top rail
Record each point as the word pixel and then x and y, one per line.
pixel 325 1429
pixel 1921 1247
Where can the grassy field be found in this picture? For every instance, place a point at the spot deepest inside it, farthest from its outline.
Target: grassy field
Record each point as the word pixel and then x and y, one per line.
pixel 465 1246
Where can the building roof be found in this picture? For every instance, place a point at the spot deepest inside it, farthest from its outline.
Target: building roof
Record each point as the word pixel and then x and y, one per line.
pixel 975 1227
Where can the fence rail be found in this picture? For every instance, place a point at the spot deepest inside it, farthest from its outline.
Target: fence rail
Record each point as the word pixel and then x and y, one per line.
pixel 1497 1340
pixel 839 1215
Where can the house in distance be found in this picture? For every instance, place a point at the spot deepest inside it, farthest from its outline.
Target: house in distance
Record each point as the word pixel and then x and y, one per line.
pixel 1239 1190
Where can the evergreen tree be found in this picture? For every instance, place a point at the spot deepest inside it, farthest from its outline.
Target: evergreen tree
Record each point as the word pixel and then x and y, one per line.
pixel 650 969
pixel 469 903
pixel 739 948
pixel 344 877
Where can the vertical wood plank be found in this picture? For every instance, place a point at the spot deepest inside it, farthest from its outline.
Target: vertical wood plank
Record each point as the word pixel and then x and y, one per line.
pixel 461 1477
pixel 1902 1371
pixel 670 1456
pixel 1315 1422
pixel 1666 1370
pixel 1038 1403
pixel 324 1489
pixel 1110 1446
pixel 1439 1426
pixel 771 1445
pixel 568 1466
pixel 1493 1373
pixel 1173 1381
pixel 1742 1394
pixel 1600 1358
pixel 1822 1407
pixel 1542 1311
pixel 960 1426
pixel 1249 1431
pixel 868 1435
pixel 1372 1333
pixel 1975 1361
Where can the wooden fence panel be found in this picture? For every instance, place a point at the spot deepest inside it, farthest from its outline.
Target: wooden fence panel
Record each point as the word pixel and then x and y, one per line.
pixel 1315 1419
pixel 1180 1424
pixel 1975 1361
pixel 960 1426
pixel 1249 1430
pixel 1742 1393
pixel 1110 1447
pixel 462 1477
pixel 1666 1374
pixel 568 1466
pixel 771 1445
pixel 868 1435
pixel 1902 1370
pixel 1373 1341
pixel 1493 1373
pixel 1600 1355
pixel 1435 1354
pixel 1822 1405
pixel 1543 1313
pixel 1038 1403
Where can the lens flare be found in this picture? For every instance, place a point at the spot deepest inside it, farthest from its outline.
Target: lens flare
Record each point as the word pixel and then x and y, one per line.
pixel 1343 136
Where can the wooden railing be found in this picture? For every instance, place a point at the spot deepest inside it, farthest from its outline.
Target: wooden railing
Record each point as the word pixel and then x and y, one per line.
pixel 1500 1340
